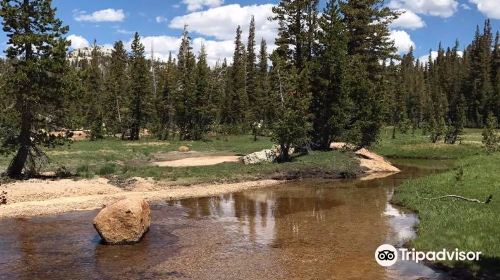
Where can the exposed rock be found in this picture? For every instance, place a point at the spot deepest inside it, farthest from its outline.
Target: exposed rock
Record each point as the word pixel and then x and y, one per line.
pixel 259 157
pixel 123 222
pixel 342 146
pixel 268 155
pixel 183 149
pixel 372 162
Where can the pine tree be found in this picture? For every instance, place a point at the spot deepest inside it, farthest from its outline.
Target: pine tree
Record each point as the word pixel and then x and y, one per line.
pixel 94 81
pixel 291 74
pixel 38 47
pixel 330 101
pixel 117 91
pixel 251 73
pixel 237 100
pixel 291 126
pixel 166 102
pixel 491 140
pixel 139 88
pixel 367 30
pixel 184 95
pixel 264 106
pixel 201 113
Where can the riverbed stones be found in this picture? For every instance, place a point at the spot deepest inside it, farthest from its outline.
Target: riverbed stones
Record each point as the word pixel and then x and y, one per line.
pixel 123 222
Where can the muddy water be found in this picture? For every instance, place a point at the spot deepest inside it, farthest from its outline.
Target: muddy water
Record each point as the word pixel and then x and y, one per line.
pixel 299 230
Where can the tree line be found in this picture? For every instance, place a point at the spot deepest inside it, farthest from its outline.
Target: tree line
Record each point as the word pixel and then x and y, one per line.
pixel 334 76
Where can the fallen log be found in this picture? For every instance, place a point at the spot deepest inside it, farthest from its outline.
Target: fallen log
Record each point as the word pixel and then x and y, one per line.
pixel 488 200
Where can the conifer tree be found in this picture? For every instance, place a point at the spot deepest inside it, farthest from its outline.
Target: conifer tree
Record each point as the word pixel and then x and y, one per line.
pixel 291 74
pixel 95 111
pixel 237 99
pixel 251 73
pixel 37 45
pixel 166 101
pixel 491 140
pixel 264 106
pixel 201 111
pixel 367 29
pixel 117 91
pixel 330 101
pixel 186 86
pixel 139 88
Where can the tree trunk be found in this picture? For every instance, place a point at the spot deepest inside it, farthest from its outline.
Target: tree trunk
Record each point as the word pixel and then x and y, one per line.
pixel 17 164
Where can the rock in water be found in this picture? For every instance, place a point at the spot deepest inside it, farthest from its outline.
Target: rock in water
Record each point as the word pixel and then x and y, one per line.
pixel 183 149
pixel 123 222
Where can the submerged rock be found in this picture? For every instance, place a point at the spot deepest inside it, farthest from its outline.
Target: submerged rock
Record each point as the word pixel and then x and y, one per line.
pixel 123 222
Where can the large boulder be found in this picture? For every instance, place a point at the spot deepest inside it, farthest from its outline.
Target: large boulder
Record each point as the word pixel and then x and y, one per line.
pixel 372 162
pixel 268 155
pixel 259 157
pixel 123 222
pixel 342 146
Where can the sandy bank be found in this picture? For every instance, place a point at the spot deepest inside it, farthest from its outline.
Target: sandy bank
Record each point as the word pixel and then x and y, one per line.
pixel 39 197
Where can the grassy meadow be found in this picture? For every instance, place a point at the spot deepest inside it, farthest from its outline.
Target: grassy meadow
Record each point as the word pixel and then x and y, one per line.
pixel 126 159
pixel 452 223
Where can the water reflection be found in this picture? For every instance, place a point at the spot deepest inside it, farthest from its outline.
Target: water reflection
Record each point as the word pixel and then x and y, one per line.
pixel 300 230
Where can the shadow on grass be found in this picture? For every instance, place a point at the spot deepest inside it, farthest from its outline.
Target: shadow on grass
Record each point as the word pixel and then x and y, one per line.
pixel 487 268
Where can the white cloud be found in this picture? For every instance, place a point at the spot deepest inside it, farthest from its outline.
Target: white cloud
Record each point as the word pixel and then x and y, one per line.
pixel 195 5
pixel 491 8
pixel 107 15
pixel 402 40
pixel 441 8
pixel 408 20
pixel 161 19
pixel 221 22
pixel 434 54
pixel 78 41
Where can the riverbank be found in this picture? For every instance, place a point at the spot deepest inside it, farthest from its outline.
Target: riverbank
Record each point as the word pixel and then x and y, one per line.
pixel 48 197
pixel 447 222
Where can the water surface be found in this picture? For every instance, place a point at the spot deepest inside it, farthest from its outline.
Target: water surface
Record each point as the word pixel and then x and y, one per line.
pixel 313 229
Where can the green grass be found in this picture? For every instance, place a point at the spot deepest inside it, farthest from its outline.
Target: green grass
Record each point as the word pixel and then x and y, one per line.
pixel 451 223
pixel 416 145
pixel 126 159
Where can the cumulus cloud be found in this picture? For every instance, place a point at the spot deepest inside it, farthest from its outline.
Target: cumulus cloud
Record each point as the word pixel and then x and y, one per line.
pixel 78 41
pixel 107 15
pixel 221 22
pixel 402 40
pixel 491 8
pixel 434 54
pixel 408 20
pixel 441 8
pixel 195 5
pixel 164 45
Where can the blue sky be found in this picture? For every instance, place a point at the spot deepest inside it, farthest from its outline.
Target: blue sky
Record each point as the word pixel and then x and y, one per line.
pixel 212 22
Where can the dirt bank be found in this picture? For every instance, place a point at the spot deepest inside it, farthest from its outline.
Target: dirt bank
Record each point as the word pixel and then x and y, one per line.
pixel 42 197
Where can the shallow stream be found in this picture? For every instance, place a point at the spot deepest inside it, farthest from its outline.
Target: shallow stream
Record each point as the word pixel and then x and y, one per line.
pixel 312 229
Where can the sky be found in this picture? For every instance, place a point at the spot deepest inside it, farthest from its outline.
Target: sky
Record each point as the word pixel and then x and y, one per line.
pixel 212 23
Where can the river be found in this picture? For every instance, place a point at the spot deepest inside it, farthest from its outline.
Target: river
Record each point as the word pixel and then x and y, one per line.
pixel 311 229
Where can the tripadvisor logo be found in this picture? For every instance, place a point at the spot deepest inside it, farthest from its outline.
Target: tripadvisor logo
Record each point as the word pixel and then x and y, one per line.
pixel 387 255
